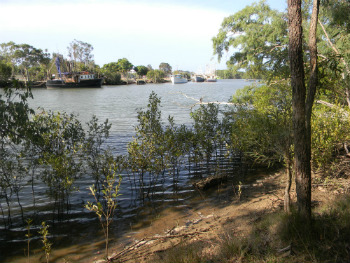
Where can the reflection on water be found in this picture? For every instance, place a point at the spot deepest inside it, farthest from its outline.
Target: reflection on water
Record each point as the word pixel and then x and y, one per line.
pixel 120 105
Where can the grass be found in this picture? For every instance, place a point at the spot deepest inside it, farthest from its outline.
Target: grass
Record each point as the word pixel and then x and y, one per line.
pixel 326 240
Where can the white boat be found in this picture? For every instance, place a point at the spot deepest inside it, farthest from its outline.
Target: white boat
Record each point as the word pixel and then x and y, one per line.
pixel 178 78
pixel 211 78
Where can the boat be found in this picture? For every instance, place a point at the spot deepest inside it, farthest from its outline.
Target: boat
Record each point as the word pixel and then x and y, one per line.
pixel 75 80
pixel 178 78
pixel 82 79
pixel 211 78
pixel 198 78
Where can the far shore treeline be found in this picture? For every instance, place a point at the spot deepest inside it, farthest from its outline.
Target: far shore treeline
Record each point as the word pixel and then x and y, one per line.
pixel 32 65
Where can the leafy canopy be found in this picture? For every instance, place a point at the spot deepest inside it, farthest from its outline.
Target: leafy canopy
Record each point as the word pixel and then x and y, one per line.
pixel 258 36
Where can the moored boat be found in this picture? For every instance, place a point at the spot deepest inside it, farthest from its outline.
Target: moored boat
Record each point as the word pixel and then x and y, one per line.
pixel 75 80
pixel 211 78
pixel 178 78
pixel 198 78
pixel 83 79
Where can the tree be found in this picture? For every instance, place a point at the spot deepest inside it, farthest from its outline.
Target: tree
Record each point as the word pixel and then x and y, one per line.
pixel 25 58
pixel 334 51
pixel 262 126
pixel 105 211
pixel 156 75
pixel 81 52
pixel 259 34
pixel 62 141
pixel 15 116
pixel 111 73
pixel 302 103
pixel 142 70
pixel 5 71
pixel 259 37
pixel 165 67
pixel 124 66
pixel 146 151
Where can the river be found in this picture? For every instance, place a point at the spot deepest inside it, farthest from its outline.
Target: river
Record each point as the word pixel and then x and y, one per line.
pixel 118 104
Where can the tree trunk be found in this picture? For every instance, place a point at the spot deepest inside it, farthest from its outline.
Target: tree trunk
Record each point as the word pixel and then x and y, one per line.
pixel 301 143
pixel 288 186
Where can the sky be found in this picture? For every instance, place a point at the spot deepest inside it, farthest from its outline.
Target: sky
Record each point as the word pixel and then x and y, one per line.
pixel 146 32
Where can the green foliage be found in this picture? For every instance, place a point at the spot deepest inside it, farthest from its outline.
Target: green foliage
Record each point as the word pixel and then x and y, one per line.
pixel 14 113
pixel 186 74
pixel 146 151
pixel 81 52
pixel 124 66
pixel 330 130
pixel 142 70
pixel 111 73
pixel 15 129
pixel 166 68
pixel 229 74
pixel 261 122
pixel 156 75
pixel 260 35
pixel 24 57
pixel 110 189
pixel 334 50
pixel 44 232
pixel 5 71
pixel 62 139
pixel 96 136
pixel 206 128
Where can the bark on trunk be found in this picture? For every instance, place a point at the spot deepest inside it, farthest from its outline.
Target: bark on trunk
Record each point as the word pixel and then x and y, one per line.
pixel 302 159
pixel 287 201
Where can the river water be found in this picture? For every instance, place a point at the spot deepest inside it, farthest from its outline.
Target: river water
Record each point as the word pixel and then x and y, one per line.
pixel 118 104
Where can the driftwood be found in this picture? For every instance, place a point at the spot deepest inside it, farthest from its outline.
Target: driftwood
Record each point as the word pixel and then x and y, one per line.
pixel 210 182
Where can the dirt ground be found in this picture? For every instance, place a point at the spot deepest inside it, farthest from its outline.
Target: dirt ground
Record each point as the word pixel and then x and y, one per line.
pixel 227 209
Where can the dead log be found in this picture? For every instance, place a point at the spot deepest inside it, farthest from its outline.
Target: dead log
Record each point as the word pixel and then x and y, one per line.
pixel 210 182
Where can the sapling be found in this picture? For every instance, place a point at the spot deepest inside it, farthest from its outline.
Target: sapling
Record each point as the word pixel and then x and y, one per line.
pixel 47 245
pixel 28 236
pixel 105 212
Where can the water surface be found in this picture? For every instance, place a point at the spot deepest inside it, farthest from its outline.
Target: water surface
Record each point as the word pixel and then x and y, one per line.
pixel 118 104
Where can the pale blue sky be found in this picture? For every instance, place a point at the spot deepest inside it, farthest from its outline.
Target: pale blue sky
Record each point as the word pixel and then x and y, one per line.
pixel 145 32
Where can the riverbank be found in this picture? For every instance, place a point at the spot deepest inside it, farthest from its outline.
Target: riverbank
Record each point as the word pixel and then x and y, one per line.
pixel 229 223
pixel 204 228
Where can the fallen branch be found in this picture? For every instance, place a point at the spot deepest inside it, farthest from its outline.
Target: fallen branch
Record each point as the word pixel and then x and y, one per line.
pixel 148 239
